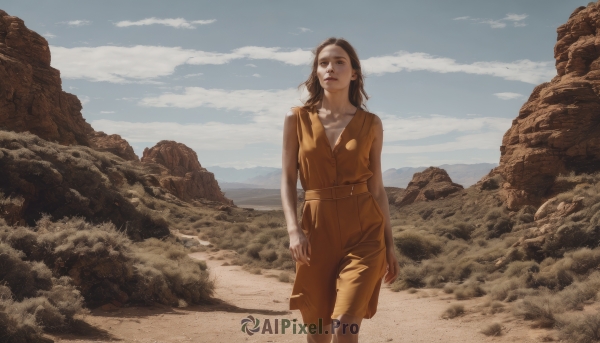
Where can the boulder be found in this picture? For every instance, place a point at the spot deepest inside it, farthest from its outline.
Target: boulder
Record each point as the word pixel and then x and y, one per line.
pixel 179 171
pixel 112 143
pixel 431 184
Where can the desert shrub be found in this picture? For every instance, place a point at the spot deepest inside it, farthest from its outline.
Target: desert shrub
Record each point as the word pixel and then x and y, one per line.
pixel 268 255
pixel 453 311
pixel 499 226
pixel 583 328
pixel 283 277
pixel 176 276
pixel 518 268
pixel 469 289
pixel 494 329
pixel 540 309
pixel 253 250
pixel 417 246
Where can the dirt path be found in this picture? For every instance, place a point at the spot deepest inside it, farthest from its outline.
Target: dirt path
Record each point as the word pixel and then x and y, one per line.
pixel 401 317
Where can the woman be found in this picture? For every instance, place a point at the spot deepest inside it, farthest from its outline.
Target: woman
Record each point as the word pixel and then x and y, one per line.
pixel 344 244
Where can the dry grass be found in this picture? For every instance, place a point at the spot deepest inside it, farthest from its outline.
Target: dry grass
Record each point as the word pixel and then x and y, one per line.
pixel 494 329
pixel 453 311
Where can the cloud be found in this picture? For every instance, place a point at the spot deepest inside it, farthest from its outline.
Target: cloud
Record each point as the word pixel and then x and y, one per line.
pixel 522 70
pixel 304 29
pixel 481 141
pixel 256 75
pixel 517 20
pixel 266 105
pixel 84 99
pixel 75 22
pixel 494 24
pixel 143 63
pixel 193 75
pixel 515 17
pixel 107 112
pixel 130 64
pixel 251 65
pixel 173 22
pixel 508 95
pixel 413 128
pixel 473 133
pixel 48 35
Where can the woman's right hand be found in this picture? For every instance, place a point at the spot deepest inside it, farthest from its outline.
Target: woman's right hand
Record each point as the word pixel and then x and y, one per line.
pixel 300 247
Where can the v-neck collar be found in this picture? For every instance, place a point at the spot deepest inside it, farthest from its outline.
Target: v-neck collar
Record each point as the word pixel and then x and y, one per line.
pixel 322 129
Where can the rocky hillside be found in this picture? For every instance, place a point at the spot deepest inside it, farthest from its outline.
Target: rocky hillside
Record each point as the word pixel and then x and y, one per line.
pixel 32 100
pixel 557 130
pixel 31 96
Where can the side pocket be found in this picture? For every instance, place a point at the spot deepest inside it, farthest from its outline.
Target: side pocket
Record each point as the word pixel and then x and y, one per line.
pixel 376 204
pixel 362 230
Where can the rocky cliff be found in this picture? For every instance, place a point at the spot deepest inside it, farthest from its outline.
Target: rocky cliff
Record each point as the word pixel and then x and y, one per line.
pixel 31 97
pixel 557 130
pixel 112 143
pixel 180 172
pixel 431 184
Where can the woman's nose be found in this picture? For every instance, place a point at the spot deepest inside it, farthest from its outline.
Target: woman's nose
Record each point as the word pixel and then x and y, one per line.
pixel 329 67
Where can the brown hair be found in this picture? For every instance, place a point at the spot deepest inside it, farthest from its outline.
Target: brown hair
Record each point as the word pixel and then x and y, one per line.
pixel 356 93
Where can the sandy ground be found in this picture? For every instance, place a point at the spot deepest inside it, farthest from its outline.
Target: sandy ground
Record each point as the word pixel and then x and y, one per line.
pixel 401 317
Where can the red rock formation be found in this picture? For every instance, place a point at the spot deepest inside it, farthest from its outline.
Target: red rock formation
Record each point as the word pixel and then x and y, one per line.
pixel 430 184
pixel 31 97
pixel 181 173
pixel 558 128
pixel 112 143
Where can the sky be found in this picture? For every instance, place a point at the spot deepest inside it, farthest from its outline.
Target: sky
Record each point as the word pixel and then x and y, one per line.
pixel 445 76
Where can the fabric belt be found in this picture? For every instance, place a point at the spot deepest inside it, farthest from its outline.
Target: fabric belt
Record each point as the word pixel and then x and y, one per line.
pixel 336 192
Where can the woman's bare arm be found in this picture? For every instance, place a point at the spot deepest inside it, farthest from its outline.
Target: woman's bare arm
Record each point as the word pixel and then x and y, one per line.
pixel 299 245
pixel 375 185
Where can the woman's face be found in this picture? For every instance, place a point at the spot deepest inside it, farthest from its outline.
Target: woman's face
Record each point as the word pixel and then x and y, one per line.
pixel 334 69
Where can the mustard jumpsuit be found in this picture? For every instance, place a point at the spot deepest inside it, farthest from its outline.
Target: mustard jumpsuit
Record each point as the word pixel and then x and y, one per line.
pixel 342 221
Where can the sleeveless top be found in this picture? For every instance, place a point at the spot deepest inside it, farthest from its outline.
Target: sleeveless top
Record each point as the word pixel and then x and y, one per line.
pixel 321 167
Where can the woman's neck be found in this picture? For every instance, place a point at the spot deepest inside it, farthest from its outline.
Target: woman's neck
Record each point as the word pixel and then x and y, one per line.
pixel 336 103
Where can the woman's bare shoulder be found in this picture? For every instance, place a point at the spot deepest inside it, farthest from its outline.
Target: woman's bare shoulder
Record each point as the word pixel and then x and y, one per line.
pixel 295 111
pixel 375 118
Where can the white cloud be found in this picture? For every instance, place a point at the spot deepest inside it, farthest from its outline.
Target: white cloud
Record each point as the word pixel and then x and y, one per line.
pixel 173 22
pixel 482 141
pixel 76 22
pixel 209 136
pixel 517 20
pixel 84 99
pixel 143 63
pixel 48 35
pixel 256 75
pixel 406 129
pixel 515 17
pixel 267 105
pixel 128 64
pixel 107 112
pixel 508 95
pixel 474 133
pixel 494 24
pixel 251 65
pixel 193 75
pixel 304 29
pixel 522 70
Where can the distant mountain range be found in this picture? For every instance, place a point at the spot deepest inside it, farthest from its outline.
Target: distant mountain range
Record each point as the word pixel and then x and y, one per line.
pixel 270 178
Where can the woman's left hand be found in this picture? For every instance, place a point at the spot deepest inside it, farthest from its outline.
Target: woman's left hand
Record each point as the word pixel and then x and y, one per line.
pixel 392 266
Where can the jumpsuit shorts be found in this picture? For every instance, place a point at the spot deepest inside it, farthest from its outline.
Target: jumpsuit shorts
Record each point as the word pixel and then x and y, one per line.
pixel 341 220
